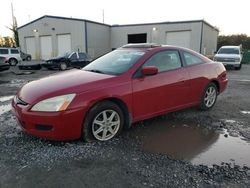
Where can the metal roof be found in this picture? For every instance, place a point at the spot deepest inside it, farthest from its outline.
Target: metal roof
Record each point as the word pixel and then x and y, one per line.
pixel 126 25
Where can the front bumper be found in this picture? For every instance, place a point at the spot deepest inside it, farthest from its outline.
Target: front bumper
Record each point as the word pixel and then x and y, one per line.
pixel 65 125
pixel 231 64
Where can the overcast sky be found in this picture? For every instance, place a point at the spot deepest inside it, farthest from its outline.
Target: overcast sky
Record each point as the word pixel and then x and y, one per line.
pixel 231 17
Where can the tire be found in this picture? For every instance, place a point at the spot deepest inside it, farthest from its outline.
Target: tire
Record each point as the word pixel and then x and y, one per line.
pixel 12 62
pixel 28 58
pixel 63 66
pixel 95 127
pixel 209 97
pixel 238 68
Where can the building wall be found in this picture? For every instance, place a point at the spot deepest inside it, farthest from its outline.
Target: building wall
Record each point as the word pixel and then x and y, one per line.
pixel 103 38
pixel 45 27
pixel 98 39
pixel 119 33
pixel 209 40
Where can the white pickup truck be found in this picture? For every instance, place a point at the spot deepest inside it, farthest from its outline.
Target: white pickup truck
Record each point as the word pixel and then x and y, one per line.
pixel 229 56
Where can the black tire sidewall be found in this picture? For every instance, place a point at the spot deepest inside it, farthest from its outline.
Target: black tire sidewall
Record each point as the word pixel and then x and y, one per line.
pixel 202 104
pixel 12 59
pixel 93 112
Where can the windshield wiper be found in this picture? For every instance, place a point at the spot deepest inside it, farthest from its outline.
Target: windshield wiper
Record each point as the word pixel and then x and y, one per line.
pixel 95 70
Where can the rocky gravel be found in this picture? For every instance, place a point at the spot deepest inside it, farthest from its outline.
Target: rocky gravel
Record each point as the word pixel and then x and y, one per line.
pixel 26 161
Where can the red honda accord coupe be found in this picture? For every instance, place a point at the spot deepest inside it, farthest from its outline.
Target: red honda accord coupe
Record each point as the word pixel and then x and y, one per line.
pixel 130 84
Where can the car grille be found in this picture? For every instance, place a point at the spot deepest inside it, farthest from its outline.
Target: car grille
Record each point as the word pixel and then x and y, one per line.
pixel 226 59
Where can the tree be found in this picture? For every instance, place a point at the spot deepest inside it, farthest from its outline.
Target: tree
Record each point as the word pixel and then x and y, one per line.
pixel 240 39
pixel 7 42
pixel 13 28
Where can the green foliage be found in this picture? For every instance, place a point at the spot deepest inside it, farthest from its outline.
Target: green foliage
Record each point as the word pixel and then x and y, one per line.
pixel 225 40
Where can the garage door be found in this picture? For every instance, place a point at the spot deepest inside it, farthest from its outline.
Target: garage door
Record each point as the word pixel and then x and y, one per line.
pixel 30 46
pixel 46 47
pixel 179 38
pixel 63 43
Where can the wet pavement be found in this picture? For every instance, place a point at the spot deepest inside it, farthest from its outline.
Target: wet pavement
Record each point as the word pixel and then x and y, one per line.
pixel 195 143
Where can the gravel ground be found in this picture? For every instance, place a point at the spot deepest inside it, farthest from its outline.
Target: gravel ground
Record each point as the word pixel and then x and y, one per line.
pixel 26 161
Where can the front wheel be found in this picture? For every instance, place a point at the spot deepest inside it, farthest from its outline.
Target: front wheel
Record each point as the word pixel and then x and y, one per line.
pixel 12 62
pixel 63 66
pixel 103 122
pixel 209 97
pixel 238 68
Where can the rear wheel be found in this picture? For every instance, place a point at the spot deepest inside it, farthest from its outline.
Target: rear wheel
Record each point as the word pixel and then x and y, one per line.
pixel 63 66
pixel 12 62
pixel 103 122
pixel 209 97
pixel 28 58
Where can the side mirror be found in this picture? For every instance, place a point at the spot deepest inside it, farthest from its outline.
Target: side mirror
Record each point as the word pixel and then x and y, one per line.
pixel 149 70
pixel 215 52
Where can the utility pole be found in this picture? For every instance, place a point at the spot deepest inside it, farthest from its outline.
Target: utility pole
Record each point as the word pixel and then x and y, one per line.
pixel 12 12
pixel 102 15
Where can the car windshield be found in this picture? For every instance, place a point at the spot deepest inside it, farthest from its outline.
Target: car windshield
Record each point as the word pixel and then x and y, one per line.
pixel 64 55
pixel 229 51
pixel 116 62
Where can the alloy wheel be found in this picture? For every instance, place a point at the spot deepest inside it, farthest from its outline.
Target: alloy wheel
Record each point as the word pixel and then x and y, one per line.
pixel 210 96
pixel 105 125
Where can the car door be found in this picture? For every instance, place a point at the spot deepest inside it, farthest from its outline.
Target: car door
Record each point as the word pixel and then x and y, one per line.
pixel 82 59
pixel 164 91
pixel 74 59
pixel 198 71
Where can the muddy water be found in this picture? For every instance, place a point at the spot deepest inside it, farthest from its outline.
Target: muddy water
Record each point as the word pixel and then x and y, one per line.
pixel 195 143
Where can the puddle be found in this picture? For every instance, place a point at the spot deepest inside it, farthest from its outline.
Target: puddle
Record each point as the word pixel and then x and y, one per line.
pixel 5 108
pixel 245 112
pixel 195 144
pixel 6 98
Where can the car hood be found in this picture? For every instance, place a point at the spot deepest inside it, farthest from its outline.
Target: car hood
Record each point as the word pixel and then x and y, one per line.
pixel 72 81
pixel 55 58
pixel 227 55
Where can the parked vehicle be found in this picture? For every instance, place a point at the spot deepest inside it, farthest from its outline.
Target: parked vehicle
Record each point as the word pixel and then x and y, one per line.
pixel 229 56
pixel 25 56
pixel 4 65
pixel 74 59
pixel 12 55
pixel 127 85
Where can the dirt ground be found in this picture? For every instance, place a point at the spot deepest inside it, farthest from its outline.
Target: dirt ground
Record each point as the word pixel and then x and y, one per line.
pixel 128 160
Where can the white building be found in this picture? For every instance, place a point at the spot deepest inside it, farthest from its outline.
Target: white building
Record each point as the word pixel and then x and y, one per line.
pixel 50 36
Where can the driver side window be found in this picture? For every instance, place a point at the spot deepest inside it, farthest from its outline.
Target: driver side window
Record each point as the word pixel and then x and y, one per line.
pixel 165 60
pixel 73 56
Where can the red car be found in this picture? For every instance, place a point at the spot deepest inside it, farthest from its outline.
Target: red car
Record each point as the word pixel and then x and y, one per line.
pixel 130 84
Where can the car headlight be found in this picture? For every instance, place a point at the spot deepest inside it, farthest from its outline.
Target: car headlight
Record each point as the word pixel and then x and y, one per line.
pixel 54 104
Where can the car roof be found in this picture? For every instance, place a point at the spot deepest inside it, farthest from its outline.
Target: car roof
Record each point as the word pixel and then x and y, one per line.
pixel 151 46
pixel 230 47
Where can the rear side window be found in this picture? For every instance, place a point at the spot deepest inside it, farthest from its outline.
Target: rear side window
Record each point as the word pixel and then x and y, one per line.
pixel 165 60
pixel 82 56
pixel 4 51
pixel 191 59
pixel 14 51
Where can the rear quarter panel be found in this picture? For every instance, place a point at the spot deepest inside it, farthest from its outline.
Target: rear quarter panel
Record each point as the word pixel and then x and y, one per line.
pixel 200 75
